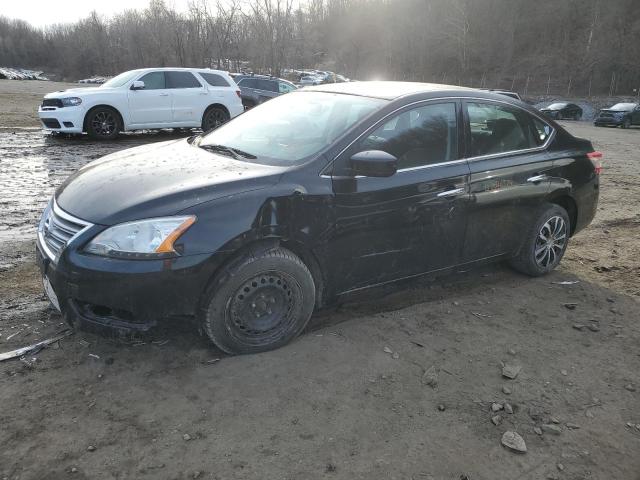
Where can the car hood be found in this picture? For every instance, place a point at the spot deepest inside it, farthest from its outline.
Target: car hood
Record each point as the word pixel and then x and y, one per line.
pixel 157 180
pixel 78 92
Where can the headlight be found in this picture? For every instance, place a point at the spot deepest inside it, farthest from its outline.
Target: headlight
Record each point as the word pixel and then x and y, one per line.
pixel 150 238
pixel 71 101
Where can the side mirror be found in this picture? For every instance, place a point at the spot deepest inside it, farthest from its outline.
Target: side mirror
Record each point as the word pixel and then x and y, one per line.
pixel 374 163
pixel 137 85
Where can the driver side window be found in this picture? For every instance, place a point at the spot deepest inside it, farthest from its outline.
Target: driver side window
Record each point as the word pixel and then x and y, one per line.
pixel 421 136
pixel 153 81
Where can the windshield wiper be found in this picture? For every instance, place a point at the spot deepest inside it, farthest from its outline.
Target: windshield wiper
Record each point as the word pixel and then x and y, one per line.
pixel 229 151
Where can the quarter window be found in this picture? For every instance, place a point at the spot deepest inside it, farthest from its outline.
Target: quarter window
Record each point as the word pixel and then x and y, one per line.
pixel 422 136
pixel 285 87
pixel 153 81
pixel 498 128
pixel 182 80
pixel 267 85
pixel 247 82
pixel 214 79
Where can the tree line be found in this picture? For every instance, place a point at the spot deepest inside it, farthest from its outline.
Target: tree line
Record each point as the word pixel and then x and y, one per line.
pixel 573 47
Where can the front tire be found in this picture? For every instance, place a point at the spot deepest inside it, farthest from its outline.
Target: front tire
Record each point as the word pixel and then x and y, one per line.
pixel 546 242
pixel 260 302
pixel 213 118
pixel 103 123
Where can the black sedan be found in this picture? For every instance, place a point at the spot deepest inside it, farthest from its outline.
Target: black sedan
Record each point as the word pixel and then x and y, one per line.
pixel 620 115
pixel 310 197
pixel 563 111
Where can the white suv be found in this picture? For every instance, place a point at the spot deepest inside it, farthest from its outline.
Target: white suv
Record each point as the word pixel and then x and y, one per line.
pixel 144 99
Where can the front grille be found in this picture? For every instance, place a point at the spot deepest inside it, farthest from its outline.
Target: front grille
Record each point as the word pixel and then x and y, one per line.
pixel 50 122
pixel 52 102
pixel 57 228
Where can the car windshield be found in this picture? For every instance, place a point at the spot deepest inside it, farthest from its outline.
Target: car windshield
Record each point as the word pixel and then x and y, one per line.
pixel 557 106
pixel 623 107
pixel 291 128
pixel 121 79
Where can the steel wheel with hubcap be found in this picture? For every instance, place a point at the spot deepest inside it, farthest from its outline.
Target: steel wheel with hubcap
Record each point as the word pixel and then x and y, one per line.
pixel 103 123
pixel 261 301
pixel 213 118
pixel 545 243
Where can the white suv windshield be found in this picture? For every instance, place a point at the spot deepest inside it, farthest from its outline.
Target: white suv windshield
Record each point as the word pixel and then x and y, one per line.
pixel 289 129
pixel 623 107
pixel 121 79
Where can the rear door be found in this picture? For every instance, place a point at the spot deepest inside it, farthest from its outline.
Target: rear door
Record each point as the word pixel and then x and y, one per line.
pixel 189 98
pixel 152 104
pixel 412 222
pixel 509 180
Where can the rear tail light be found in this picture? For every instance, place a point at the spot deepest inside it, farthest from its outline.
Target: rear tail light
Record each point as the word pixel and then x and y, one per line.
pixel 596 159
pixel 238 93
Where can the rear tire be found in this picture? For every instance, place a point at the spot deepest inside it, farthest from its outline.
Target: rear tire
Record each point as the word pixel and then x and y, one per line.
pixel 545 243
pixel 103 123
pixel 214 117
pixel 260 302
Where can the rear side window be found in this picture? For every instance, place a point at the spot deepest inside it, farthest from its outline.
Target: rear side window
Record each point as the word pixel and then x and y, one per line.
pixel 248 83
pixel 499 128
pixel 153 81
pixel 182 80
pixel 214 79
pixel 268 85
pixel 421 136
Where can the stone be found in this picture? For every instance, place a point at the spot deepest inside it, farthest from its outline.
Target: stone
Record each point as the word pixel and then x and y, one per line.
pixel 594 328
pixel 514 442
pixel 551 429
pixel 579 326
pixel 554 420
pixel 496 420
pixel 511 371
pixel 630 387
pixel 186 437
pixel 564 372
pixel 570 306
pixel 387 350
pixel 442 408
pixel 508 408
pixel 430 377
pixel 537 430
pixel 560 467
pixel 395 356
pixel 572 426
pixel 91 448
pixel 506 390
pixel 496 407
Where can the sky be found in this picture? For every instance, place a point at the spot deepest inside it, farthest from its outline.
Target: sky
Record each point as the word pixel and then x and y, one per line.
pixel 41 13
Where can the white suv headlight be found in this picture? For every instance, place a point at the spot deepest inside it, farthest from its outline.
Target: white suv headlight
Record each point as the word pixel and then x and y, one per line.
pixel 71 101
pixel 140 239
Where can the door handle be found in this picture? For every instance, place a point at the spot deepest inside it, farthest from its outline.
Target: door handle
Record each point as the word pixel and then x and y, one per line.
pixel 451 193
pixel 537 179
pixel 164 94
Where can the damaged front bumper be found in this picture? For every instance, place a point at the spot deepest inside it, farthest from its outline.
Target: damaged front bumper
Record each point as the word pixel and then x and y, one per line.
pixel 125 296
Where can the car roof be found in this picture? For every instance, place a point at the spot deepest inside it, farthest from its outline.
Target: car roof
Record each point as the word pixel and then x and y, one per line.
pixel 387 90
pixel 185 69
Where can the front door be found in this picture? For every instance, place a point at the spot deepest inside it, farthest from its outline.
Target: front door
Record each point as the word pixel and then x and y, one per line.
pixel 509 176
pixel 152 104
pixel 412 222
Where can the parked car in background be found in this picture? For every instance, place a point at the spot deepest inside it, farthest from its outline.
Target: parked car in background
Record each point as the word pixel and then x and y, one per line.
pixel 307 80
pixel 144 99
pixel 306 198
pixel 620 115
pixel 563 111
pixel 255 89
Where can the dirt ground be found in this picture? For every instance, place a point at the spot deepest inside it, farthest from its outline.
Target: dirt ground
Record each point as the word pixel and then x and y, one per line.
pixel 335 403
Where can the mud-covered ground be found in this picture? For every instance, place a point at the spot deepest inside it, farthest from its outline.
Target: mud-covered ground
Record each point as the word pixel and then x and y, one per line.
pixel 335 403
